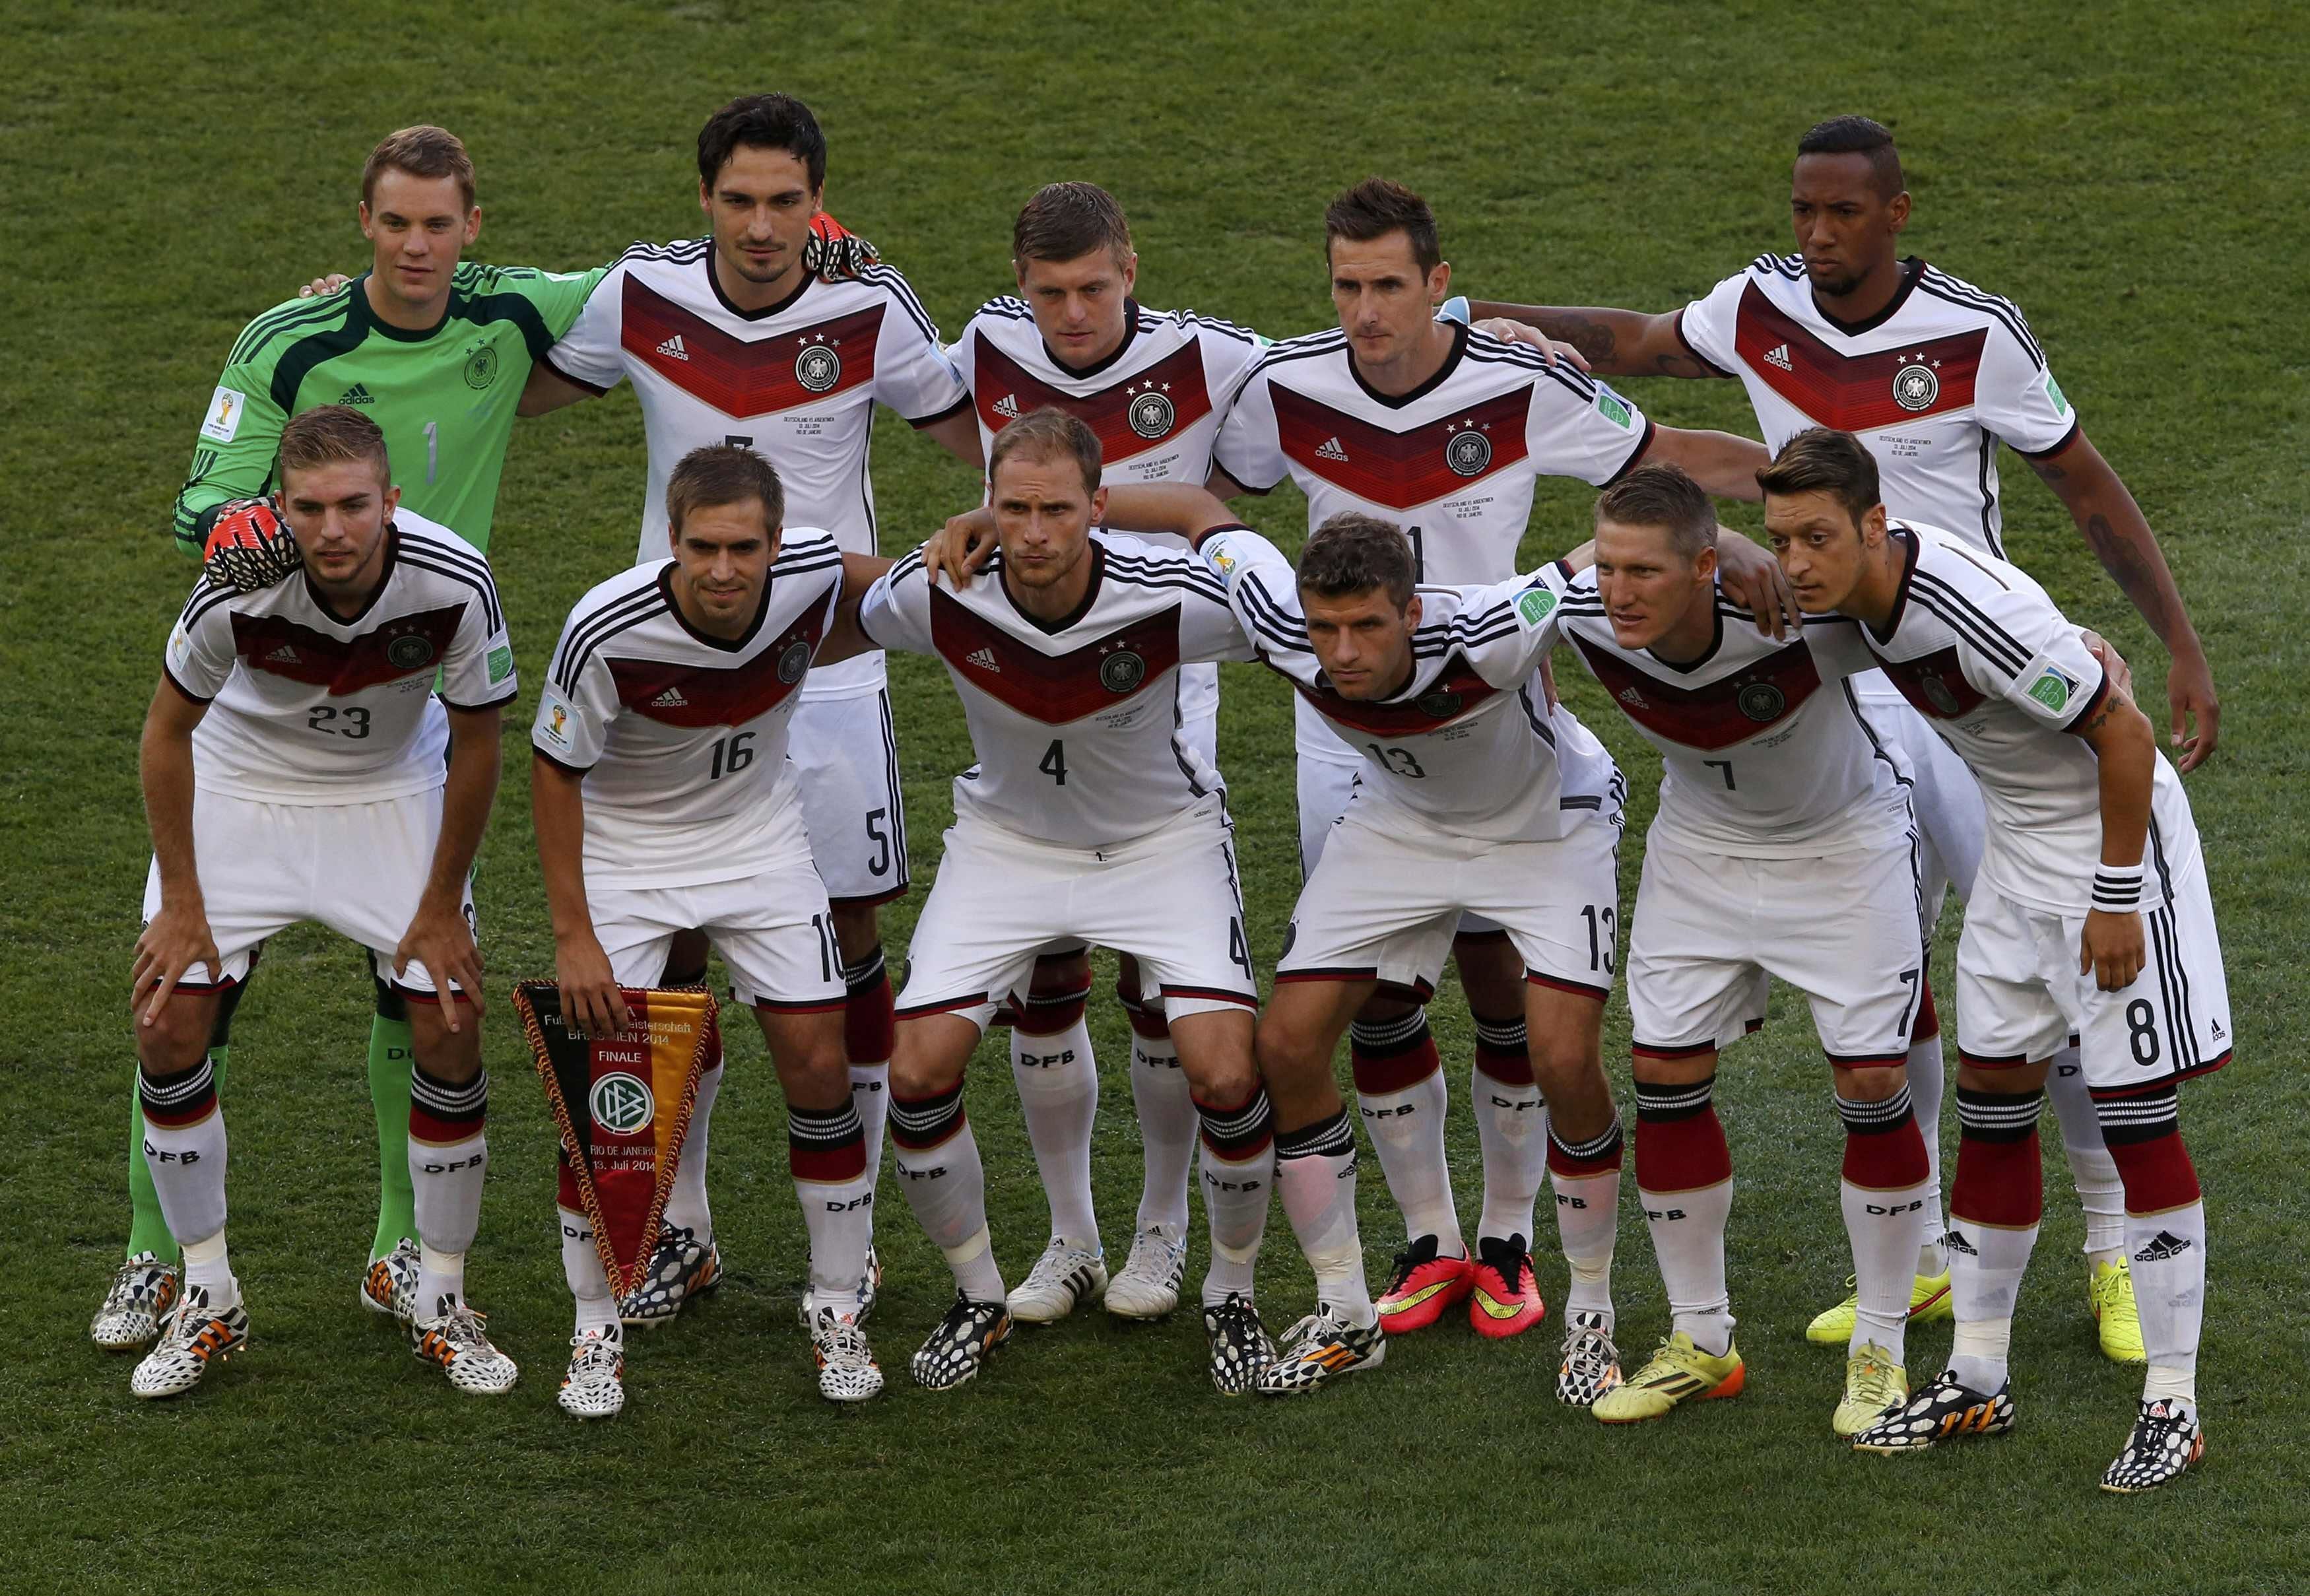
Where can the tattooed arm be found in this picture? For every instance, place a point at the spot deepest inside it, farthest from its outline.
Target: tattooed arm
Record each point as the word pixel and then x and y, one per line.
pixel 2113 527
pixel 1614 342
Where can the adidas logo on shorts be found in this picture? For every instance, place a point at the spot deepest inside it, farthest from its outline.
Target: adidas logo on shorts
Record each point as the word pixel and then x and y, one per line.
pixel 1779 356
pixel 1007 407
pixel 672 349
pixel 2161 1246
pixel 670 698
pixel 1331 450
pixel 984 658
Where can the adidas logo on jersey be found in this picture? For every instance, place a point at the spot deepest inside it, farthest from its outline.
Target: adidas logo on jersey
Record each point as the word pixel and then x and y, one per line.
pixel 1779 356
pixel 1331 450
pixel 672 349
pixel 2161 1246
pixel 357 394
pixel 1632 698
pixel 670 698
pixel 1007 407
pixel 283 656
pixel 984 658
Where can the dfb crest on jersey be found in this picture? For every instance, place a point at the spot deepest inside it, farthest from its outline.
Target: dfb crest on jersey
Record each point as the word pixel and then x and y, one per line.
pixel 1938 695
pixel 818 367
pixel 1468 453
pixel 1122 673
pixel 1761 700
pixel 1151 415
pixel 410 652
pixel 1915 387
pixel 482 368
pixel 1441 704
pixel 793 661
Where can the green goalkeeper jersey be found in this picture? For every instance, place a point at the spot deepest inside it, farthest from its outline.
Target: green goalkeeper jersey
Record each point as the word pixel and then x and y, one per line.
pixel 444 398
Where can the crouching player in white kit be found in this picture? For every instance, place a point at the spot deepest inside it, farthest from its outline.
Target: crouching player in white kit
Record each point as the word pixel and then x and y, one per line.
pixel 2088 836
pixel 1088 818
pixel 1783 846
pixel 293 770
pixel 1474 798
pixel 664 801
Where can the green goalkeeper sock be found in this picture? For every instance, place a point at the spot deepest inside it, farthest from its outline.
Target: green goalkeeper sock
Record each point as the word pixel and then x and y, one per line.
pixel 391 1055
pixel 148 1231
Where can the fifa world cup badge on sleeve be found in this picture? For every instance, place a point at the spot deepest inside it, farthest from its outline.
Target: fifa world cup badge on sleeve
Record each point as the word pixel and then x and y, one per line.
pixel 622 1104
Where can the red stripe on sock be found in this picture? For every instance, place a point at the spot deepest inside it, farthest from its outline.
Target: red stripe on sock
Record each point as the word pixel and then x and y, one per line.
pixel 1560 1162
pixel 828 1163
pixel 1680 1155
pixel 1508 1066
pixel 1887 1160
pixel 435 1131
pixel 869 1023
pixel 1929 1024
pixel 1998 1182
pixel 1396 1072
pixel 2157 1174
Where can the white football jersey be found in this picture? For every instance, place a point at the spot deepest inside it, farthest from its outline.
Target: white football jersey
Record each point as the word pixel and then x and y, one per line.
pixel 1076 723
pixel 1764 755
pixel 1468 744
pixel 1154 401
pixel 683 736
pixel 1930 384
pixel 1454 463
pixel 2001 675
pixel 796 381
pixel 306 708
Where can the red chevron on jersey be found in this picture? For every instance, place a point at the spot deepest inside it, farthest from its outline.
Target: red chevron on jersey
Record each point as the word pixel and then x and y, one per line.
pixel 1138 412
pixel 1457 690
pixel 1053 688
pixel 408 646
pixel 739 377
pixel 1716 714
pixel 1934 684
pixel 1855 393
pixel 1402 470
pixel 696 695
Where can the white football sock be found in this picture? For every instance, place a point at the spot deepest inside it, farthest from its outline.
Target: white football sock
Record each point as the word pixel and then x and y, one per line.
pixel 185 1149
pixel 448 1155
pixel 1316 1166
pixel 589 1287
pixel 1928 1080
pixel 826 1149
pixel 1587 1217
pixel 1239 1174
pixel 946 1186
pixel 1405 1123
pixel 208 1266
pixel 1167 1128
pixel 2101 1193
pixel 1512 1131
pixel 1058 1093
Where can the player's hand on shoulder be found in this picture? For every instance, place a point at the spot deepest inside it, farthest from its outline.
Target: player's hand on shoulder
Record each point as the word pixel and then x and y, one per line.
pixel 322 286
pixel 959 549
pixel 441 939
pixel 833 253
pixel 1752 579
pixel 173 941
pixel 1532 338
pixel 2112 947
pixel 249 547
pixel 2113 662
pixel 590 998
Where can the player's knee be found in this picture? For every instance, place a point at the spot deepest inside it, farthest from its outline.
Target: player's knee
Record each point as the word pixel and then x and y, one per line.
pixel 1872 1084
pixel 1385 1005
pixel 177 1039
pixel 453 1057
pixel 1230 1077
pixel 1560 1059
pixel 921 1071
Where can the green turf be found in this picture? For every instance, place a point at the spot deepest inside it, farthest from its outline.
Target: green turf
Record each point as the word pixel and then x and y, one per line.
pixel 2131 175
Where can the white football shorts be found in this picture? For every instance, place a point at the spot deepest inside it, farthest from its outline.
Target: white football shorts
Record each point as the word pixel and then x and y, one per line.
pixel 845 756
pixel 773 930
pixel 1170 899
pixel 1709 929
pixel 1325 785
pixel 359 869
pixel 1951 820
pixel 1391 891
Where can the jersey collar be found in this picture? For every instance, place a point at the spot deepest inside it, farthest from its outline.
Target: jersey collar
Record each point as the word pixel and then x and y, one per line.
pixel 1091 596
pixel 1910 552
pixel 363 315
pixel 726 645
pixel 1130 335
pixel 1715 642
pixel 1913 272
pixel 714 282
pixel 1443 373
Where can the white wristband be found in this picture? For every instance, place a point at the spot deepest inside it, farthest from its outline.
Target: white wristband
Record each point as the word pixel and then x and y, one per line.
pixel 2117 888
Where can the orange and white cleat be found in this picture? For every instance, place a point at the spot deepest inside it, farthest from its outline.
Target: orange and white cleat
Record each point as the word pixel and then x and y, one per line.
pixel 455 1342
pixel 1505 1297
pixel 1422 1287
pixel 195 1339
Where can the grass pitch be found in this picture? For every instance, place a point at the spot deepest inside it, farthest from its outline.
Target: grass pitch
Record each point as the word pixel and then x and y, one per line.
pixel 2131 178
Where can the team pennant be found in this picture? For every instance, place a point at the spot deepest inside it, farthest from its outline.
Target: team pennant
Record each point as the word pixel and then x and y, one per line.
pixel 622 1104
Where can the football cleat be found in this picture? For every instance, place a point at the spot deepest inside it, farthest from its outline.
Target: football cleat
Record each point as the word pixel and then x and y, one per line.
pixel 2117 1322
pixel 1874 1385
pixel 1928 1299
pixel 1678 1372
pixel 2166 1439
pixel 1422 1286
pixel 456 1341
pixel 1063 1278
pixel 963 1341
pixel 846 1369
pixel 1592 1364
pixel 1942 1411
pixel 390 1285
pixel 1147 1285
pixel 596 1385
pixel 1240 1349
pixel 195 1338
pixel 681 1267
pixel 869 1285
pixel 1320 1348
pixel 1503 1296
pixel 143 1289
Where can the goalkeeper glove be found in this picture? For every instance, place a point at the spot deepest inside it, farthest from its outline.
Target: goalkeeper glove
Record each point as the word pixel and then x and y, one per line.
pixel 833 252
pixel 249 547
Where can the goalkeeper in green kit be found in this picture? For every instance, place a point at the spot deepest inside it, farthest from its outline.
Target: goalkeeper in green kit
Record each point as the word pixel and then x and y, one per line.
pixel 435 350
